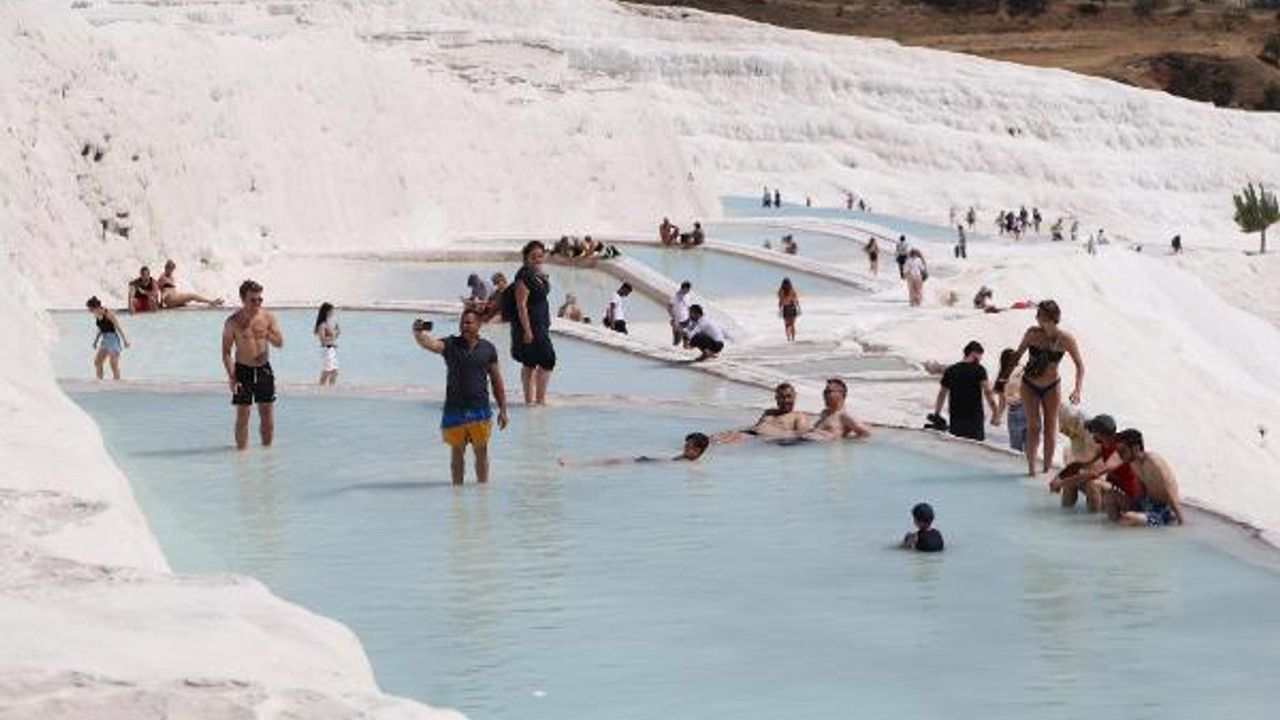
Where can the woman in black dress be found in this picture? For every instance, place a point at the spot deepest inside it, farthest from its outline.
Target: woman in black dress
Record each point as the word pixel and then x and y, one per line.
pixel 531 327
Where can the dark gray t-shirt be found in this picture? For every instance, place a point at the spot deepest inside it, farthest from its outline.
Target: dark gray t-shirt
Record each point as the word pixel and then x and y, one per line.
pixel 467 387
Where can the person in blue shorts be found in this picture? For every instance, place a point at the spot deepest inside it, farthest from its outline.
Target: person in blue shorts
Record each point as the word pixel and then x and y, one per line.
pixel 472 364
pixel 1161 503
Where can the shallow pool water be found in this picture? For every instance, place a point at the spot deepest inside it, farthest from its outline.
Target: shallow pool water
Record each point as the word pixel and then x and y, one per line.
pixel 809 244
pixel 723 276
pixel 758 583
pixel 376 348
pixel 367 281
pixel 733 206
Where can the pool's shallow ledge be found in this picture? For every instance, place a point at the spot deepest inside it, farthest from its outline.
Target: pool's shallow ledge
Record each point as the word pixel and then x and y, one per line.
pixel 95 623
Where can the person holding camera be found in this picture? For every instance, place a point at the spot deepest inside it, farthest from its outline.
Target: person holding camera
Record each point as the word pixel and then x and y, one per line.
pixel 472 364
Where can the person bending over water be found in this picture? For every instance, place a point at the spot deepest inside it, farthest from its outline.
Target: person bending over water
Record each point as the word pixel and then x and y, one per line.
pixel 926 538
pixel 247 338
pixel 834 422
pixel 531 326
pixel 171 298
pixel 327 331
pixel 1107 481
pixel 782 420
pixel 695 446
pixel 110 340
pixel 704 335
pixel 1046 343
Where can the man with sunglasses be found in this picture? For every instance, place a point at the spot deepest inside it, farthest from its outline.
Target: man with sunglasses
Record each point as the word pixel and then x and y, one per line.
pixel 247 337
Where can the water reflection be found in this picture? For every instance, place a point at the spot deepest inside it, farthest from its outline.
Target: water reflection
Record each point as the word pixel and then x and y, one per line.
pixel 259 534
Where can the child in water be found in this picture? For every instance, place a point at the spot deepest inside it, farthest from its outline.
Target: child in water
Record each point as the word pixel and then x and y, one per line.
pixel 926 538
pixel 695 444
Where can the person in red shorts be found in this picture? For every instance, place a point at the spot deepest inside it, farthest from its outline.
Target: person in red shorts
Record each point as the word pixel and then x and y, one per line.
pixel 1107 480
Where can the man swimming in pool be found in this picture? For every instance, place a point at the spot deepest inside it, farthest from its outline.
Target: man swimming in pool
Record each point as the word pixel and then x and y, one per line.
pixel 247 338
pixel 834 422
pixel 782 420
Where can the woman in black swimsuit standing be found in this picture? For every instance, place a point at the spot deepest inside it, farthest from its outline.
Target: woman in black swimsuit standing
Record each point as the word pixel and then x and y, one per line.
pixel 1046 343
pixel 531 325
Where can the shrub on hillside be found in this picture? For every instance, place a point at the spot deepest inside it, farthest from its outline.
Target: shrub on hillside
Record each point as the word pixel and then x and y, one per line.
pixel 965 6
pixel 1089 9
pixel 1271 98
pixel 1271 49
pixel 1025 7
pixel 1147 8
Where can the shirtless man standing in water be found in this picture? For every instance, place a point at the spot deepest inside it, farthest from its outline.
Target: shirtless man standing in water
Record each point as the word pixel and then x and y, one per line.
pixel 251 330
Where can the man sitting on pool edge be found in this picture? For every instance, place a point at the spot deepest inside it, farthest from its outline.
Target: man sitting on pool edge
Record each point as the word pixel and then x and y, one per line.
pixel 834 422
pixel 1161 502
pixel 782 420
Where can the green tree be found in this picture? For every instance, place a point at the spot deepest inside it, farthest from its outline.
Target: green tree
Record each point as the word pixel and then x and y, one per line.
pixel 1256 210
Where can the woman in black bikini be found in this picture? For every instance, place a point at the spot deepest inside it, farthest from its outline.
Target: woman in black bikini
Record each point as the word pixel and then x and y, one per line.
pixel 1046 343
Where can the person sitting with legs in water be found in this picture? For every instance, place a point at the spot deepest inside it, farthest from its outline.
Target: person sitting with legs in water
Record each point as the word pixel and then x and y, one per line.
pixel 926 538
pixel 110 340
pixel 782 420
pixel 1046 343
pixel 834 422
pixel 170 297
pixel 1106 479
pixel 1161 503
pixel 570 310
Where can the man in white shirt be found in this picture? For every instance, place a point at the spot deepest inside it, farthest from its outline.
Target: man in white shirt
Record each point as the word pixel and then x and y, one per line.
pixel 703 334
pixel 615 316
pixel 678 311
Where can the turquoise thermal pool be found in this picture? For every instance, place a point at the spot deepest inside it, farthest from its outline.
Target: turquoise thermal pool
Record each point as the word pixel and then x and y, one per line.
pixel 376 349
pixel 739 207
pixel 380 280
pixel 723 276
pixel 758 583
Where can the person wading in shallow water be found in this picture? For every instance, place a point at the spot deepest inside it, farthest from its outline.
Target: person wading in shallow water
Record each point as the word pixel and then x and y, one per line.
pixel 472 364
pixel 247 337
